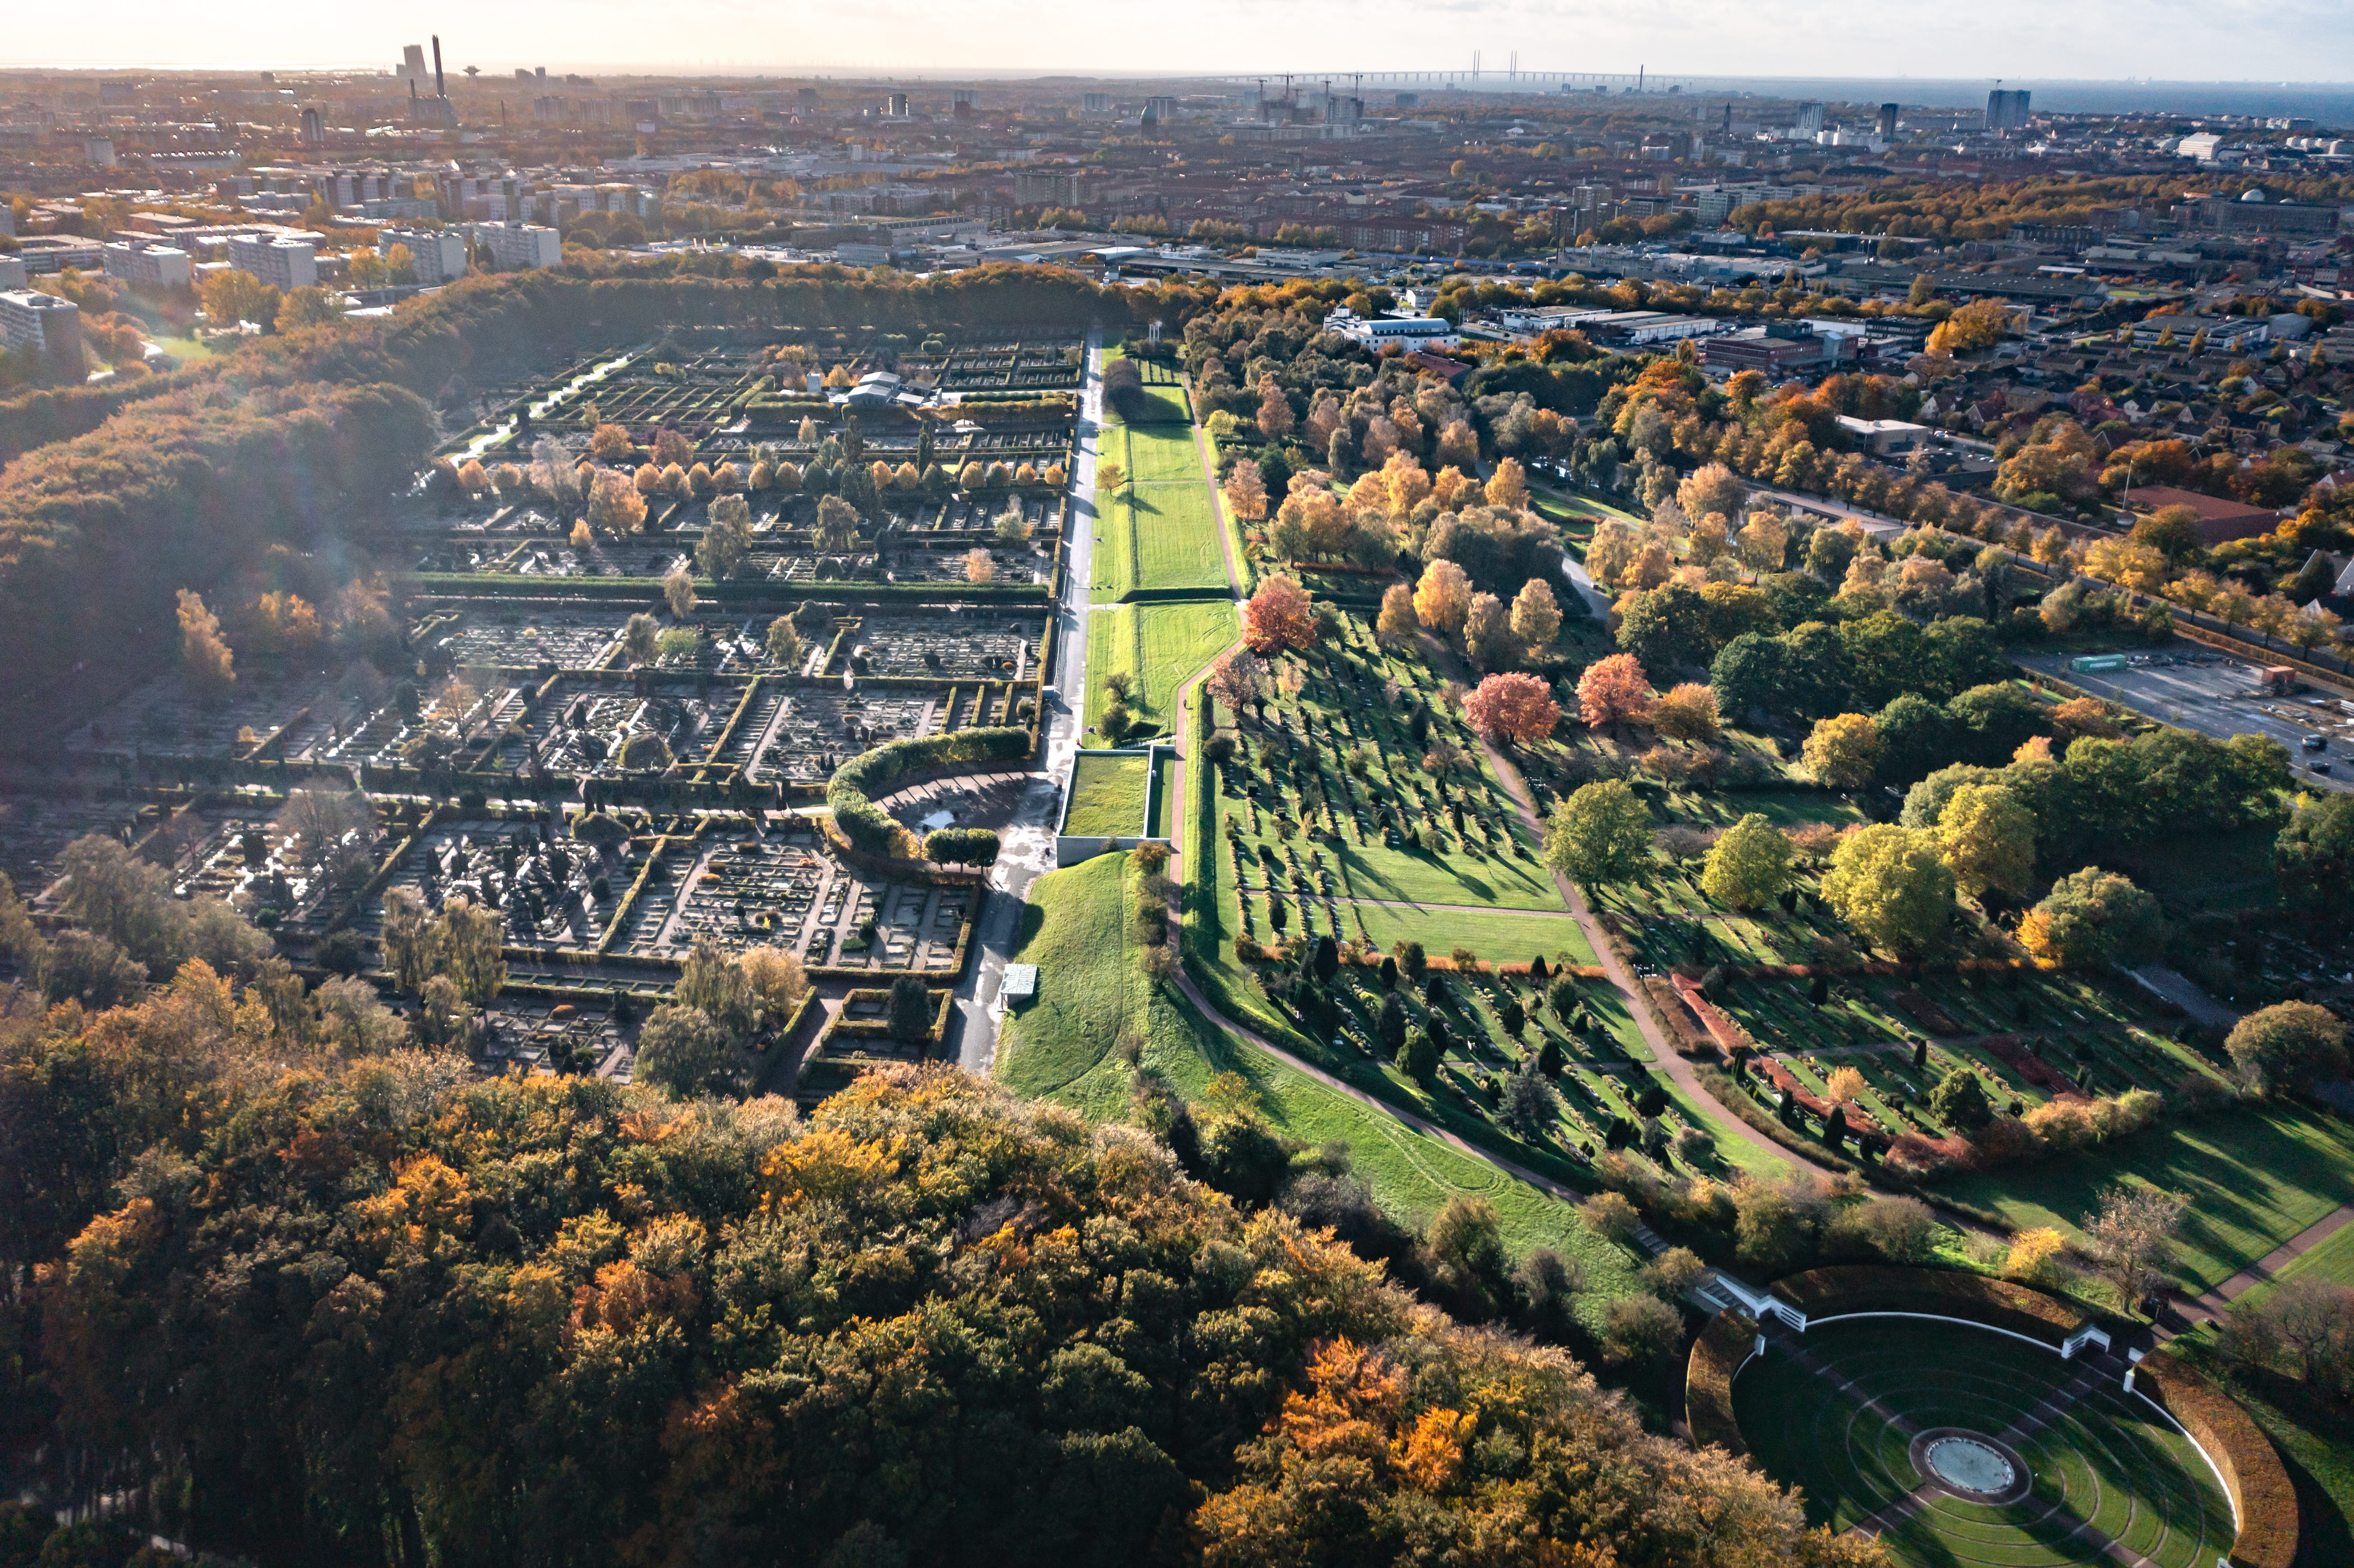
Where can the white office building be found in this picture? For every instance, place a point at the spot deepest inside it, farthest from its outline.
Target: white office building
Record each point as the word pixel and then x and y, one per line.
pixel 287 264
pixel 1379 332
pixel 149 266
pixel 436 255
pixel 12 272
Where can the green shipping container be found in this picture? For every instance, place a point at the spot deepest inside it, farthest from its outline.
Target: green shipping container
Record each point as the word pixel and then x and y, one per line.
pixel 2091 662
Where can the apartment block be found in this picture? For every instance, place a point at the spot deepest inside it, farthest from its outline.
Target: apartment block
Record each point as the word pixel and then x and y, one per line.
pixel 438 255
pixel 518 244
pixel 288 264
pixel 41 326
pixel 149 266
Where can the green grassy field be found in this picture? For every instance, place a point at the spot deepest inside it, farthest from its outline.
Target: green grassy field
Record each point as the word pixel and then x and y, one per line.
pixel 2253 1179
pixel 2332 1260
pixel 2106 1460
pixel 1090 993
pixel 1496 935
pixel 1422 876
pixel 1160 529
pixel 1161 647
pixel 1107 797
pixel 187 350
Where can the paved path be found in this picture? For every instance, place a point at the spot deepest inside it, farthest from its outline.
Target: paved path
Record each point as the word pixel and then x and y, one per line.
pixel 1027 849
pixel 2186 995
pixel 2215 1302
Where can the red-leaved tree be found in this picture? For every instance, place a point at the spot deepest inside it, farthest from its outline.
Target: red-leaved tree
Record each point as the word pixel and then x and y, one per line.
pixel 1613 691
pixel 1514 707
pixel 1278 617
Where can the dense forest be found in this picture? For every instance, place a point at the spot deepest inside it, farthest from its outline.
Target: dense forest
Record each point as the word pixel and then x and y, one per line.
pixel 319 1306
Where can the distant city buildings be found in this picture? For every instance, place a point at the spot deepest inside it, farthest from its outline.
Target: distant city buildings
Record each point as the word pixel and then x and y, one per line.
pixel 436 255
pixel 2007 108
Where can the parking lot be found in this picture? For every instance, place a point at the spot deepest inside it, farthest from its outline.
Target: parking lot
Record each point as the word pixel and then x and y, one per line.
pixel 2198 688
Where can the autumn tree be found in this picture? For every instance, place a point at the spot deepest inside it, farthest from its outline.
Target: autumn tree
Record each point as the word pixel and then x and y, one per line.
pixel 836 532
pixel 1843 750
pixel 1245 492
pixel 1614 691
pixel 1687 712
pixel 611 444
pixel 784 643
pixel 678 592
pixel 2288 1046
pixel 1443 597
pixel 1713 488
pixel 1508 486
pixel 1536 615
pixel 1987 838
pixel 1749 864
pixel 1488 634
pixel 1398 622
pixel 1278 616
pixel 2089 918
pixel 1275 418
pixel 616 505
pixel 1237 679
pixel 1889 884
pixel 211 667
pixel 727 538
pixel 1513 707
pixel 1600 833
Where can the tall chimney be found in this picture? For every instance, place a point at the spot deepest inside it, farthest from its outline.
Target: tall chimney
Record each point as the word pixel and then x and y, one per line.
pixel 439 91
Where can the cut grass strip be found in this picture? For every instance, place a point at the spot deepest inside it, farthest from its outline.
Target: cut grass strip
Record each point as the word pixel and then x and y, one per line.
pixel 1107 796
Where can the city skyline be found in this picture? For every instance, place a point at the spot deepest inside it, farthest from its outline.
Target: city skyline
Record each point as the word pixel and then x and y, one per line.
pixel 2230 45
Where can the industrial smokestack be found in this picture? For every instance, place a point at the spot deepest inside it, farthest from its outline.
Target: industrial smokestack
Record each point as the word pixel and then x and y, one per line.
pixel 439 91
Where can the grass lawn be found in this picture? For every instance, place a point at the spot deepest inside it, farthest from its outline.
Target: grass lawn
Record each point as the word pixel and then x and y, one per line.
pixel 2254 1179
pixel 1175 530
pixel 1090 993
pixel 1164 809
pixel 1161 646
pixel 187 350
pixel 2331 1262
pixel 1071 930
pixel 1159 454
pixel 1420 877
pixel 1159 528
pixel 1498 936
pixel 1107 797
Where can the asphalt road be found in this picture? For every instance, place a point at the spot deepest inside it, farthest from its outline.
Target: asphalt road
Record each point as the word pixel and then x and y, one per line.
pixel 2218 699
pixel 1028 850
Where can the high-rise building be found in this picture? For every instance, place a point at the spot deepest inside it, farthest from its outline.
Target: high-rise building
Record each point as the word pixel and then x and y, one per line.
pixel 898 106
pixel 1887 125
pixel 1162 106
pixel 413 63
pixel 149 266
pixel 315 126
pixel 1095 103
pixel 44 327
pixel 2006 110
pixel 436 255
pixel 285 263
pixel 1810 117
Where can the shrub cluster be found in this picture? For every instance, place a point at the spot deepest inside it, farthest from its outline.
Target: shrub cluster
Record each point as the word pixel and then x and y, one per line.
pixel 849 795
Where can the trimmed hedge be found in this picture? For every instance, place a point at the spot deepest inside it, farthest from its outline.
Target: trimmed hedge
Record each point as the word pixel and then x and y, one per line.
pixel 849 794
pixel 2253 1473
pixel 962 846
pixel 1716 1355
pixel 1880 1287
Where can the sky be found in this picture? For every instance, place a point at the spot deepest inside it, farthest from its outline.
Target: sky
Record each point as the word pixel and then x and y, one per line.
pixel 2209 40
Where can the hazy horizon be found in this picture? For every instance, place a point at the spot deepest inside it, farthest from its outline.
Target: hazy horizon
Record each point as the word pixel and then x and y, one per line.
pixel 2106 41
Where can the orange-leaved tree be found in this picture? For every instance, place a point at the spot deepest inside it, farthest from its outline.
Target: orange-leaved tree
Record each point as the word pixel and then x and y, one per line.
pixel 1514 707
pixel 1278 617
